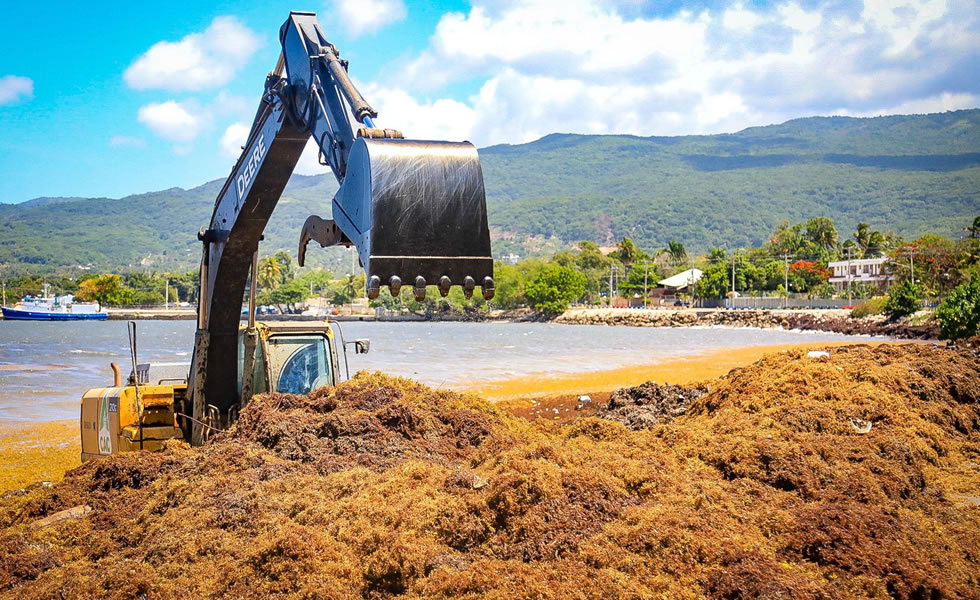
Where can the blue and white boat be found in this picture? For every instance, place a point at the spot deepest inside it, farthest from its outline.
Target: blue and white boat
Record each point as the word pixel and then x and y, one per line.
pixel 53 308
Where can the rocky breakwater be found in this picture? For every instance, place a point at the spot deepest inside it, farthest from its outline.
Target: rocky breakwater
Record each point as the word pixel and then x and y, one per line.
pixel 834 321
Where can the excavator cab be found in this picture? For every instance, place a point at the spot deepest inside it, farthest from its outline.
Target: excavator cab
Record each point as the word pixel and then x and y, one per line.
pixel 288 357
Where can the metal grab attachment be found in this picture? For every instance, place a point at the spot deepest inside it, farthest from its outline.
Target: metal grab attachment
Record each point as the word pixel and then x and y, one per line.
pixel 323 231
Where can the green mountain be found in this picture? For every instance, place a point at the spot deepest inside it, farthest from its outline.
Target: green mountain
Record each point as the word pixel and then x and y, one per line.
pixel 912 174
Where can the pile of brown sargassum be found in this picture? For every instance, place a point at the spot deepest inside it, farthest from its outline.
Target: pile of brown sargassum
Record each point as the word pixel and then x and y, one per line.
pixel 857 476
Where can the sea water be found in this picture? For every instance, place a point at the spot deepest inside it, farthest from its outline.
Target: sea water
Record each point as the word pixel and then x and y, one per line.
pixel 45 367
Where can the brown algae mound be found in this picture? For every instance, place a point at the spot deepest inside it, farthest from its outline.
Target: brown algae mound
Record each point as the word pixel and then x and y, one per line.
pixel 650 404
pixel 856 476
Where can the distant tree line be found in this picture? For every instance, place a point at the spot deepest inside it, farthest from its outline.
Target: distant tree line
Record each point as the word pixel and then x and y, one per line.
pixel 793 261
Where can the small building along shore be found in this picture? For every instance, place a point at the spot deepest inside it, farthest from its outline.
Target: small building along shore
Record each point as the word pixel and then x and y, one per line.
pixel 867 271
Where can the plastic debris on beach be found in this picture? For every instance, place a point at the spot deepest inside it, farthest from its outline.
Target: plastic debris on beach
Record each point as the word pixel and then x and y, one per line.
pixel 761 487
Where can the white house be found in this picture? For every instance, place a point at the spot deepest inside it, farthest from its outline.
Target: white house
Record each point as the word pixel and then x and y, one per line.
pixel 682 280
pixel 863 270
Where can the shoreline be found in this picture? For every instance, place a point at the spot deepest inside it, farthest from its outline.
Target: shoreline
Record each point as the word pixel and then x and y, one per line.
pixel 44 451
pixel 37 452
pixel 825 320
pixel 684 370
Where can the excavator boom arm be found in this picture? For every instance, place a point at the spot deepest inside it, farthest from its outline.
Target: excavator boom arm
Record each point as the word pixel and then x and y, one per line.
pixel 415 211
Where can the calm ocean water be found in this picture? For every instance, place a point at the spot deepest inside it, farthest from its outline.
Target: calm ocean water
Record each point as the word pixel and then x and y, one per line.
pixel 45 367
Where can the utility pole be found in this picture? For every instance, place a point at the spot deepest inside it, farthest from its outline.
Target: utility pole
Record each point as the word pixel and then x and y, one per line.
pixel 166 295
pixel 786 280
pixel 733 279
pixel 912 264
pixel 610 284
pixel 4 293
pixel 848 275
pixel 646 274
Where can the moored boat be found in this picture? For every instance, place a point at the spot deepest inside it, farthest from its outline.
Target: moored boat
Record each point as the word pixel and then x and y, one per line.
pixel 54 308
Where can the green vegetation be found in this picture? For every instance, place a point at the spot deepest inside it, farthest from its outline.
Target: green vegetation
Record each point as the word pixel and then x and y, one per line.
pixel 904 299
pixel 554 288
pixel 111 289
pixel 870 307
pixel 959 314
pixel 911 174
pixel 795 254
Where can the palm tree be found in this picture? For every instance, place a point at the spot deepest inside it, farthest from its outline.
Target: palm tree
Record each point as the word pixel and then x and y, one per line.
pixel 872 243
pixel 349 286
pixel 627 252
pixel 269 273
pixel 862 233
pixel 677 252
pixel 821 231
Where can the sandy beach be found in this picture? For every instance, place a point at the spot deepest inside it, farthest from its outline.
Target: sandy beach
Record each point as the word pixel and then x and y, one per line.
pixel 686 370
pixel 36 452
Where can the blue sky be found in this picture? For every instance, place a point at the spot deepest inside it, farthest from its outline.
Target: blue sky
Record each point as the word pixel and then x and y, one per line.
pixel 130 98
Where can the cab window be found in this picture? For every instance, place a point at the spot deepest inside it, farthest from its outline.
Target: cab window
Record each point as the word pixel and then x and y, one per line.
pixel 300 363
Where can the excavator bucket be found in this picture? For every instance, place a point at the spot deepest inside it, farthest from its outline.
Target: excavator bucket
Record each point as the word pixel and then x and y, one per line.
pixel 417 213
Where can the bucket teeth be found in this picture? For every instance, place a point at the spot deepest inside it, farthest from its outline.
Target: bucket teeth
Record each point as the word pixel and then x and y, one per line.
pixel 374 287
pixel 444 284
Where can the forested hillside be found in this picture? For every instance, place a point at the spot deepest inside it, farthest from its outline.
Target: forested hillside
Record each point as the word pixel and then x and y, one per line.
pixel 910 174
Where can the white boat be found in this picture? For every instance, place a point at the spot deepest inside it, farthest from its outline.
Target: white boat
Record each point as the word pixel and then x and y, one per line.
pixel 53 308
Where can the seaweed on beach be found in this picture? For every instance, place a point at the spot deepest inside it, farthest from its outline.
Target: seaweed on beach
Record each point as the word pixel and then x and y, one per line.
pixel 853 476
pixel 650 404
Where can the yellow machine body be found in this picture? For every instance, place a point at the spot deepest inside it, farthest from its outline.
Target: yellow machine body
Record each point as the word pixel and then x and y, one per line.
pixel 287 356
pixel 111 420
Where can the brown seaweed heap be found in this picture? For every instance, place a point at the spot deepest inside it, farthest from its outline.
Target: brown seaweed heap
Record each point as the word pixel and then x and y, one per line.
pixel 650 404
pixel 857 476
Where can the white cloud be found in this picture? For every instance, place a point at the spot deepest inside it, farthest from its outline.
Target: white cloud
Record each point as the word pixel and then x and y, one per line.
pixel 183 121
pixel 903 21
pixel 940 103
pixel 737 17
pixel 125 140
pixel 309 162
pixel 233 139
pixel 588 68
pixel 14 88
pixel 198 61
pixel 443 118
pixel 174 121
pixel 368 16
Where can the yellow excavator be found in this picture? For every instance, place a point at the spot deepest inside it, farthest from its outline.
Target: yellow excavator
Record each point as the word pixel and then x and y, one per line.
pixel 415 211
